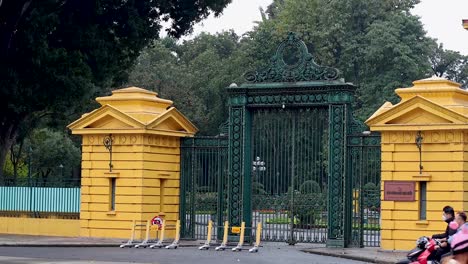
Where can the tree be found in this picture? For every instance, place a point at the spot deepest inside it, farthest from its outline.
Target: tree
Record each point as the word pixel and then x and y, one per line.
pixel 53 155
pixel 450 64
pixel 378 45
pixel 194 74
pixel 54 54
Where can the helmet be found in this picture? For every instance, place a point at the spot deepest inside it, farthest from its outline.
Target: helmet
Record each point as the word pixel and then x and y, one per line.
pixel 421 242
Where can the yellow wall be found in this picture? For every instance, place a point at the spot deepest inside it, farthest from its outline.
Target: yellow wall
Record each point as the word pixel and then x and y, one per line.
pixel 140 164
pixel 437 108
pixel 444 160
pixel 39 226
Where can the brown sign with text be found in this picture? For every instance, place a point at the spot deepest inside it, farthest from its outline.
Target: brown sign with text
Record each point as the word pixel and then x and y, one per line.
pixel 399 191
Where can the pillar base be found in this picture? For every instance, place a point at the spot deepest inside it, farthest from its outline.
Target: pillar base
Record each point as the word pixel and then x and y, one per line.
pixel 335 243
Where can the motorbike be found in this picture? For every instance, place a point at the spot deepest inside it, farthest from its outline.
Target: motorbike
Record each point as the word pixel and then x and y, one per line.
pixel 424 247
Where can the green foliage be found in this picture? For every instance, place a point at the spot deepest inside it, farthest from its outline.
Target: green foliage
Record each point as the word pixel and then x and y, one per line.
pixel 378 45
pixel 50 149
pixel 193 74
pixel 310 186
pixel 258 189
pixel 450 64
pixel 371 196
pixel 282 220
pixel 308 207
pixel 9 172
pixel 206 201
pixel 55 55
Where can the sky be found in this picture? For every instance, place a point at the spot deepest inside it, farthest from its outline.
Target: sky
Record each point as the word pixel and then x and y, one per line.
pixel 442 20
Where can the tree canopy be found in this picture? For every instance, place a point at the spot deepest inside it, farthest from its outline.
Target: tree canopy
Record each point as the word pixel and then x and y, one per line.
pixel 55 54
pixel 377 45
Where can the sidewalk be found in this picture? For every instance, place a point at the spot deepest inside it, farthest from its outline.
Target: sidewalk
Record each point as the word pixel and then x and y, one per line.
pixel 51 241
pixel 372 255
pixel 7 240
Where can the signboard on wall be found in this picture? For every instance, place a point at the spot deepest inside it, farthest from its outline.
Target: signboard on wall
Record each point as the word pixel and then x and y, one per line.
pixel 399 191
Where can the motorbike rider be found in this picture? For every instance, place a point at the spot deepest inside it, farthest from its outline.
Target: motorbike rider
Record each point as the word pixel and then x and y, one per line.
pixel 459 248
pixel 448 216
pixel 460 219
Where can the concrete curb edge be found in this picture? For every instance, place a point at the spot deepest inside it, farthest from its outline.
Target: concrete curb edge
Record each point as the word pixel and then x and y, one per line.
pixel 345 256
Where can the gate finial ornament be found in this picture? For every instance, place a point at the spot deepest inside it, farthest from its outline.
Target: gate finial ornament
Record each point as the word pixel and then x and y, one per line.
pixel 292 62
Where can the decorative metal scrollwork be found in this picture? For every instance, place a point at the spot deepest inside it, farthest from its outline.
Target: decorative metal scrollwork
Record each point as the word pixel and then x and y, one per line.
pixel 292 63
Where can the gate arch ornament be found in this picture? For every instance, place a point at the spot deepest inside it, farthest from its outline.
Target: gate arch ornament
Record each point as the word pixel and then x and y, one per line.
pixel 292 81
pixel 299 66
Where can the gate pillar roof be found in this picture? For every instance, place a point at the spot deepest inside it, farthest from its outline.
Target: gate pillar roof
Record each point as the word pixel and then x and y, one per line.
pixel 423 153
pixel 134 110
pixel 430 104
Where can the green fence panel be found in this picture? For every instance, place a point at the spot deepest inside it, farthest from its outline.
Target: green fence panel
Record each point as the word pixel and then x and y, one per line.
pixel 40 199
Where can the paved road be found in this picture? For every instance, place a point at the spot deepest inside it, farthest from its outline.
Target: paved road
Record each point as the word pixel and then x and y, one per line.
pixel 271 253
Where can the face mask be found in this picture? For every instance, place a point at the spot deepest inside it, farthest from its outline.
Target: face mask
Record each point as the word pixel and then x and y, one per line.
pixel 444 218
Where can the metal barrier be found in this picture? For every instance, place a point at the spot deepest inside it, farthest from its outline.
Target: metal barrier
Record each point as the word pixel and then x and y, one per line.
pixel 158 241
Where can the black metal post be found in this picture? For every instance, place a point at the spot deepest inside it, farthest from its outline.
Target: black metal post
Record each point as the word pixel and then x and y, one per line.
pixel 419 140
pixel 108 144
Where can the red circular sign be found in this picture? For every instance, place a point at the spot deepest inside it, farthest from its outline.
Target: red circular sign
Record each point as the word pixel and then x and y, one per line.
pixel 157 221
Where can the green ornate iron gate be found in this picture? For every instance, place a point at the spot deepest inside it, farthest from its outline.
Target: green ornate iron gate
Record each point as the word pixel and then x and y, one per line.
pixel 293 159
pixel 203 184
pixel 289 173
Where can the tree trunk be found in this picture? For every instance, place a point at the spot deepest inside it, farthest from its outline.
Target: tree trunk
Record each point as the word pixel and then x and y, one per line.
pixel 8 133
pixel 15 158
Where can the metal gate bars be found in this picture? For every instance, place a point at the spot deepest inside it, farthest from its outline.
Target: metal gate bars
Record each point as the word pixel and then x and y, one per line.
pixel 289 173
pixel 203 185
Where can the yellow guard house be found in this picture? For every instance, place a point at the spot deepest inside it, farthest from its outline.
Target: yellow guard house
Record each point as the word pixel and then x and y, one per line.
pixel 424 159
pixel 130 162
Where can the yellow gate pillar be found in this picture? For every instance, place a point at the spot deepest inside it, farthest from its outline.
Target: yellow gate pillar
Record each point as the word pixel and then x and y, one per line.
pixel 424 159
pixel 130 161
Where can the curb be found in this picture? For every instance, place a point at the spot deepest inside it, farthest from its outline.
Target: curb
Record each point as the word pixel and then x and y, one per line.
pixel 344 256
pixel 73 245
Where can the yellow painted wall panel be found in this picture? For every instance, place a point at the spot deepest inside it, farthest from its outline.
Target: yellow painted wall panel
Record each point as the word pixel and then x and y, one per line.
pixel 439 156
pixel 97 198
pixel 444 186
pixel 161 150
pixel 429 147
pixel 117 165
pixel 164 166
pixel 129 182
pixel 387 147
pixel 40 226
pixel 448 196
pixel 135 191
pixel 405 215
pixel 406 206
pixel 99 190
pixel 160 173
pixel 105 224
pixel 428 166
pixel 172 183
pixel 164 157
pixel 387 244
pixel 116 156
pixel 386 234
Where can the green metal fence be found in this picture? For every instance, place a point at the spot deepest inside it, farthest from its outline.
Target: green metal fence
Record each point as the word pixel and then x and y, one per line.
pixel 291 209
pixel 364 156
pixel 203 185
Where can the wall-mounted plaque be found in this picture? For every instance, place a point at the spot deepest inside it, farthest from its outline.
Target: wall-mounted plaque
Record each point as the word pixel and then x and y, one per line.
pixel 399 191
